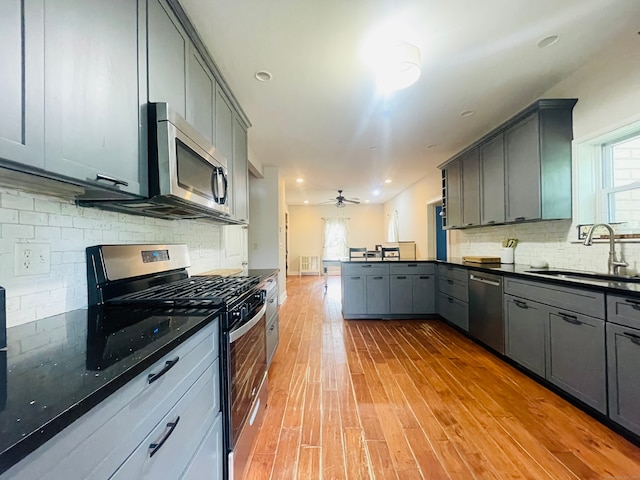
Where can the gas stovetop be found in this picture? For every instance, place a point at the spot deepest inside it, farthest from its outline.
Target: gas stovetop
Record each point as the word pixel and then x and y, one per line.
pixel 197 291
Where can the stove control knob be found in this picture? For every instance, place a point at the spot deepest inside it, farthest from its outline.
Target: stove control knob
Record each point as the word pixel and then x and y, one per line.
pixel 236 314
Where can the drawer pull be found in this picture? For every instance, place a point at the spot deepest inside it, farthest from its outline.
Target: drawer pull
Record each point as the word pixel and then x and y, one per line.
pixel 355 278
pixel 367 266
pixel 168 365
pixel 424 277
pixel 401 278
pixel 412 264
pixel 519 219
pixel 154 447
pixel 378 278
pixel 113 180
pixel 273 327
pixel 570 318
pixel 272 300
pixel 635 304
pixel 450 282
pixel 491 222
pixel 521 304
pixel 450 299
pixel 633 337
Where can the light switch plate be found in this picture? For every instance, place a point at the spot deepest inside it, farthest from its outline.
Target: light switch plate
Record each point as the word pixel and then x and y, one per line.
pixel 32 259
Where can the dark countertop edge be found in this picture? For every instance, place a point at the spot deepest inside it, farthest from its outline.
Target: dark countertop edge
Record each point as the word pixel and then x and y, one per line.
pixel 27 445
pixel 378 260
pixel 519 270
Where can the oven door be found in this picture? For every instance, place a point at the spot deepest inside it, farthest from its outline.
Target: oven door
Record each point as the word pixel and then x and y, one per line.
pixel 246 370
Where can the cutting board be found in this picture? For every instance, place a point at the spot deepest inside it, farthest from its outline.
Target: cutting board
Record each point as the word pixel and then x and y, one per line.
pixel 481 259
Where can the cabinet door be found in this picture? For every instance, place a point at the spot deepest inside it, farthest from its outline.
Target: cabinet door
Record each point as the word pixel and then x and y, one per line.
pixel 623 351
pixel 240 173
pixel 522 160
pixel 525 333
pixel 424 296
pixel 492 181
pixel 378 294
pixel 470 189
pixel 354 297
pixel 453 195
pixel 401 294
pixel 92 100
pixel 167 46
pixel 224 136
pixel 201 96
pixel 22 77
pixel 576 357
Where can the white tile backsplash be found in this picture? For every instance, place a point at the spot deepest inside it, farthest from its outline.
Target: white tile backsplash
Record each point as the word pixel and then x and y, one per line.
pixel 550 241
pixel 69 229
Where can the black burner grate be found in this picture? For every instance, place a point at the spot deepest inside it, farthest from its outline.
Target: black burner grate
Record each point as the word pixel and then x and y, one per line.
pixel 198 291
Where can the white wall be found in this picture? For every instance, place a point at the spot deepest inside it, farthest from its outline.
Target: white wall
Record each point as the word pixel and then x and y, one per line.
pixel 68 229
pixel 366 228
pixel 608 95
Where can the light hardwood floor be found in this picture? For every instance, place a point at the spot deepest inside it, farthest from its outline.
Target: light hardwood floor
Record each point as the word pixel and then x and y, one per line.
pixel 414 400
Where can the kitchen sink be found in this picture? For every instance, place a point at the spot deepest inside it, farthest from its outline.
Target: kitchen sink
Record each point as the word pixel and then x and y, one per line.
pixel 589 276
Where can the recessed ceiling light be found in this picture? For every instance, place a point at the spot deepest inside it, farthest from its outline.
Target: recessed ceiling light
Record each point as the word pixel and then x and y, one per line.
pixel 548 41
pixel 306 201
pixel 376 192
pixel 388 180
pixel 299 180
pixel 467 113
pixel 263 76
pixel 373 148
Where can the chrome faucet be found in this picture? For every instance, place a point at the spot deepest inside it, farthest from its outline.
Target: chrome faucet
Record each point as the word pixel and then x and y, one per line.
pixel 613 265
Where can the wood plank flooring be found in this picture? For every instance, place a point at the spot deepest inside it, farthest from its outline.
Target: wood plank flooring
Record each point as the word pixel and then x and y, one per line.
pixel 414 400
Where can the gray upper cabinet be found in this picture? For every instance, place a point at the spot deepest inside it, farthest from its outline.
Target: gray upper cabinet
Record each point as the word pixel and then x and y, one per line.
pixel 201 96
pixel 92 94
pixel 453 195
pixel 492 203
pixel 240 172
pixel 21 95
pixel 167 57
pixel 522 154
pixel 524 170
pixel 470 188
pixel 224 138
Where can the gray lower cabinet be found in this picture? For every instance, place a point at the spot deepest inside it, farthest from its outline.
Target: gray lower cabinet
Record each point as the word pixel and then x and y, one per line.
pixel 525 332
pixel 424 290
pixel 22 92
pixel 365 290
pixel 575 356
pixel 453 295
pixel 207 462
pixel 354 295
pixel 401 294
pixel 558 332
pixel 273 326
pixel 377 294
pixel 623 360
pixel 116 437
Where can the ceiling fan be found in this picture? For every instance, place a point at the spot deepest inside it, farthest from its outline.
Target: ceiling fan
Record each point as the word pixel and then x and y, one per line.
pixel 340 200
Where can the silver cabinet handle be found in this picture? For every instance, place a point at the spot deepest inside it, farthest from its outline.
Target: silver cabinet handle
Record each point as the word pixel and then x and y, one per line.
pixel 569 318
pixel 113 180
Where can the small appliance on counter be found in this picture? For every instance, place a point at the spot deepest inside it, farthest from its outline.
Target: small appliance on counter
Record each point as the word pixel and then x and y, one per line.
pixel 3 318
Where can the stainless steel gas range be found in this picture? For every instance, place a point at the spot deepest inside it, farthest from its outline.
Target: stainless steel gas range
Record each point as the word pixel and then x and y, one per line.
pixel 146 286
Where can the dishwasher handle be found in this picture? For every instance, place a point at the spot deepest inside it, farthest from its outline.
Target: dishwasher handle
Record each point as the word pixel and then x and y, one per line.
pixel 488 281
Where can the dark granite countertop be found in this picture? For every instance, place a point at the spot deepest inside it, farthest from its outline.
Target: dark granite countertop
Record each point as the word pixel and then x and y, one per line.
pixel 56 369
pixel 388 260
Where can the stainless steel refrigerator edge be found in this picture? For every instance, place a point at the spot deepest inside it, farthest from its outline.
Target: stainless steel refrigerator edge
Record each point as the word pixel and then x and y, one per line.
pixel 486 321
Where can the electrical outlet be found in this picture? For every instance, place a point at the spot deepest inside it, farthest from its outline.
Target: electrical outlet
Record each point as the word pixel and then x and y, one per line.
pixel 32 259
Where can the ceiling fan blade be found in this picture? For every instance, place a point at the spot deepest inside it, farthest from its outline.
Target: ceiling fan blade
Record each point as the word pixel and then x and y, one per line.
pixel 351 201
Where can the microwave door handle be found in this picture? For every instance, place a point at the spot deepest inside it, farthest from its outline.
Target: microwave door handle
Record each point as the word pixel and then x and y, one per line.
pixel 216 184
pixel 226 190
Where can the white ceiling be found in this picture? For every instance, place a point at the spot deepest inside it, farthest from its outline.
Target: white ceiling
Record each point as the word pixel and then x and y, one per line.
pixel 320 115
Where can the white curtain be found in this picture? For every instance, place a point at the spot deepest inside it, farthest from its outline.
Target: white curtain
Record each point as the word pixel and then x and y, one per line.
pixel 392 229
pixel 336 238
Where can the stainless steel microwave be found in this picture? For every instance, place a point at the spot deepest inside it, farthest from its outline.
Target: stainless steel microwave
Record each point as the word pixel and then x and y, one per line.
pixel 188 178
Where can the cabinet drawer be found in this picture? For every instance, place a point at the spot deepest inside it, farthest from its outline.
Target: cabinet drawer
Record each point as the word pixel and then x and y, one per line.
pixel 454 310
pixel 412 269
pixel 166 451
pixel 587 302
pixel 207 462
pixel 454 288
pixel 272 304
pixel 453 272
pixel 365 269
pixel 116 426
pixel 624 310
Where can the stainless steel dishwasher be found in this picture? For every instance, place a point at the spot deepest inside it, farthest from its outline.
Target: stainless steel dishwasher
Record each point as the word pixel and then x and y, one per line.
pixel 486 322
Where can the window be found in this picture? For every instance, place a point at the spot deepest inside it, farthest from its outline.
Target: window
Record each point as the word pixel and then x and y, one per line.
pixel 607 181
pixel 336 238
pixel 621 179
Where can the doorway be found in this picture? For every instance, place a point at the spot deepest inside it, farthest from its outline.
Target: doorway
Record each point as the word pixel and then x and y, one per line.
pixel 441 236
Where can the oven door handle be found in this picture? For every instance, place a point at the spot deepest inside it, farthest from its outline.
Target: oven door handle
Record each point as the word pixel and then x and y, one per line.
pixel 240 331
